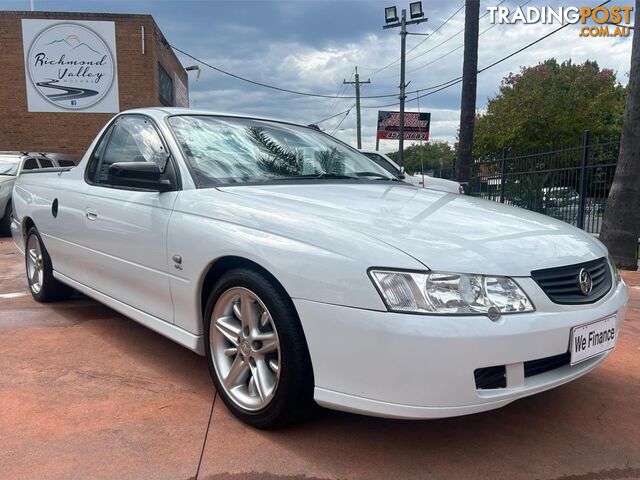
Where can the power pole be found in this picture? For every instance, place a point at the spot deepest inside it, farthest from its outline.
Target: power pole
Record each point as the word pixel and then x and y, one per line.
pixel 357 83
pixel 416 17
pixel 469 86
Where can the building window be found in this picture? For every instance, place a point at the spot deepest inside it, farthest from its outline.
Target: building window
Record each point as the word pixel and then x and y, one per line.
pixel 166 86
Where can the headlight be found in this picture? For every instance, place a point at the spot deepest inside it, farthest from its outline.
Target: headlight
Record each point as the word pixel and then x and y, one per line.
pixel 615 272
pixel 449 293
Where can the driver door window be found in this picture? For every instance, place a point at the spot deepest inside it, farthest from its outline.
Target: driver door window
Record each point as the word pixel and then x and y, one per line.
pixel 124 230
pixel 133 139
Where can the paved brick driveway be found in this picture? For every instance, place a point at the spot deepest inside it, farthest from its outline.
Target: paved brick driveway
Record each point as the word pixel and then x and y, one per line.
pixel 88 394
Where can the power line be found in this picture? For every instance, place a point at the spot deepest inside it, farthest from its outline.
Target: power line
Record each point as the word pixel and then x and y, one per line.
pixel 340 123
pixel 534 42
pixel 317 95
pixel 273 87
pixel 341 92
pixel 281 89
pixel 453 36
pixel 334 104
pixel 357 85
pixel 438 29
pixel 420 43
pixel 446 41
pixel 434 88
pixel 450 51
pixel 459 46
pixel 334 115
pixel 455 81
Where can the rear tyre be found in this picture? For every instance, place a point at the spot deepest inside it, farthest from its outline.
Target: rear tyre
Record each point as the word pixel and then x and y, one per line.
pixel 256 350
pixel 5 222
pixel 44 288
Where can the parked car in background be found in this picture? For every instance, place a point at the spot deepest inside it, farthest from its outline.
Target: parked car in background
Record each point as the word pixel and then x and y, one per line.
pixel 561 203
pixel 305 271
pixel 14 163
pixel 418 180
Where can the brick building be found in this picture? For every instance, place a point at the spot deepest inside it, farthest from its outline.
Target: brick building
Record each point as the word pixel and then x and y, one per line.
pixel 64 114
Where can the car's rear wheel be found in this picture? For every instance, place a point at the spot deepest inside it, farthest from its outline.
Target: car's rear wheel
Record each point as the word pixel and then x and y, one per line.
pixel 44 287
pixel 257 353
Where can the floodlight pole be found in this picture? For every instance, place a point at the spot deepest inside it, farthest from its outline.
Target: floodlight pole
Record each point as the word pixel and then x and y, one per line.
pixel 403 46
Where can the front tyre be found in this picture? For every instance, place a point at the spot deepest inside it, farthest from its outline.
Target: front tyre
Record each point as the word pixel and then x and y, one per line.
pixel 44 288
pixel 256 350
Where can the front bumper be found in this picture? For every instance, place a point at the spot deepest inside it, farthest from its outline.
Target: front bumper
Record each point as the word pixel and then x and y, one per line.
pixel 416 366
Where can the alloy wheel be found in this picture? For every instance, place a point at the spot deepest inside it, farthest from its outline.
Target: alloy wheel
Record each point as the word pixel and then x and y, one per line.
pixel 245 348
pixel 35 264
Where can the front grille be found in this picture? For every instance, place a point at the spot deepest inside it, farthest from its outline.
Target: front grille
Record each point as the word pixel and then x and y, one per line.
pixel 541 365
pixel 562 284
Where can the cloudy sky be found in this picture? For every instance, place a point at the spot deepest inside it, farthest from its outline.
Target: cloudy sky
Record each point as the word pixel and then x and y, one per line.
pixel 313 45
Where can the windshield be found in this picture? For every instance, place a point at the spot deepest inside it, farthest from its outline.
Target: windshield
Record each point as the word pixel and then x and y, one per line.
pixel 224 151
pixel 9 165
pixel 383 162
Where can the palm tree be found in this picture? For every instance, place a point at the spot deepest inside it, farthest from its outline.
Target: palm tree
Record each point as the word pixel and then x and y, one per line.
pixel 276 159
pixel 621 225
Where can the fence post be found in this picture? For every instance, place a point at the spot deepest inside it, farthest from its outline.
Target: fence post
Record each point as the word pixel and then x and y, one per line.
pixel 583 179
pixel 503 174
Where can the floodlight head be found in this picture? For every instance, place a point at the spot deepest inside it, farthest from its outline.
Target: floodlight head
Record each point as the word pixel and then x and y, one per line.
pixel 390 15
pixel 415 10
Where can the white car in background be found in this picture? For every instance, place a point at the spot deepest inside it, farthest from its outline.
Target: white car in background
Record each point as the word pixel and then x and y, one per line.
pixel 418 180
pixel 304 271
pixel 14 163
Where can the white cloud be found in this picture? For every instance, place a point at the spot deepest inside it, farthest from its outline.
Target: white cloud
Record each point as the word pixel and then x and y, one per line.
pixel 322 68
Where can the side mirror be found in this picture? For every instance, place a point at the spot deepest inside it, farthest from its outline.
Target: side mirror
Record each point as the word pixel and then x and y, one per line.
pixel 402 175
pixel 143 175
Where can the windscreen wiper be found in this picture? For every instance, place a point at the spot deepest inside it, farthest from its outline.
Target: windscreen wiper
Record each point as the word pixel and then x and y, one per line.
pixel 378 176
pixel 320 176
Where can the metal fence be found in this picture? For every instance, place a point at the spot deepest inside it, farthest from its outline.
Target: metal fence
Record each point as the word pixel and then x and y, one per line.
pixel 570 184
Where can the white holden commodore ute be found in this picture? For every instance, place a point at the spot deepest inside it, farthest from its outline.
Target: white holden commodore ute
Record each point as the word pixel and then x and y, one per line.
pixel 307 274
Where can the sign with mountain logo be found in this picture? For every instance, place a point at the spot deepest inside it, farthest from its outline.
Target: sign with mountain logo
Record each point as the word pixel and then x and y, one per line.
pixel 70 66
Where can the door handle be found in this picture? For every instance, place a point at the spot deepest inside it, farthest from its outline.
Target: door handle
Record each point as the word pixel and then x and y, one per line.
pixel 91 214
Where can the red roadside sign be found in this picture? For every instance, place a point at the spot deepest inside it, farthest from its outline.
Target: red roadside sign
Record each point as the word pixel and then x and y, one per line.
pixel 416 125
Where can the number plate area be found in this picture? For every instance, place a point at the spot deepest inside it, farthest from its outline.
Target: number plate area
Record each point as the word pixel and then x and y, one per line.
pixel 592 339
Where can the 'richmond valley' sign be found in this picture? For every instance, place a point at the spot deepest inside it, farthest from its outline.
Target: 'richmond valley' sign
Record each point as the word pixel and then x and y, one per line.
pixel 416 125
pixel 70 66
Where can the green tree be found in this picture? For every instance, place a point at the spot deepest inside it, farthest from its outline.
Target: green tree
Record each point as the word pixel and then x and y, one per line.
pixel 550 105
pixel 435 155
pixel 276 159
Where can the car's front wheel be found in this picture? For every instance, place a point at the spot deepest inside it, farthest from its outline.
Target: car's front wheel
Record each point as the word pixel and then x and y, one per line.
pixel 256 349
pixel 44 287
